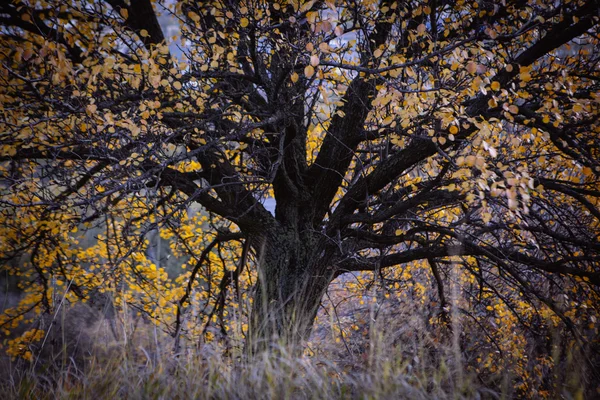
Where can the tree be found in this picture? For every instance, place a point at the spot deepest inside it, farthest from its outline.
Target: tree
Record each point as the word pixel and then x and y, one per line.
pixel 448 134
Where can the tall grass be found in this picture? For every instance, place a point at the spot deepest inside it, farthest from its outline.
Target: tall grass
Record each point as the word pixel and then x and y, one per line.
pixel 357 352
pixel 137 362
pixel 276 375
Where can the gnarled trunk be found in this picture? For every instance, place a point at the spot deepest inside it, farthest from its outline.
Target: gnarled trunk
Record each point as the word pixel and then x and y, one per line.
pixel 289 290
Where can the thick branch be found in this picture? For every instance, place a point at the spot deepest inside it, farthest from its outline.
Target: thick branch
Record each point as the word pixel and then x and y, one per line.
pixel 141 15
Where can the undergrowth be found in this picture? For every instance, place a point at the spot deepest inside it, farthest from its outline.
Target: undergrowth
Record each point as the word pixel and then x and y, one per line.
pixel 86 354
pixel 107 361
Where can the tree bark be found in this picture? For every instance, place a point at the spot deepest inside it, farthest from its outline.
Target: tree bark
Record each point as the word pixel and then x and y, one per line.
pixel 288 292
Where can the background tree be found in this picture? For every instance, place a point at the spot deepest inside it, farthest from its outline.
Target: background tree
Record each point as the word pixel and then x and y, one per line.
pixel 447 136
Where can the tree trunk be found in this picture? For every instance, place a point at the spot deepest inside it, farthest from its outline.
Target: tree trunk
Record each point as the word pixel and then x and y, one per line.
pixel 288 292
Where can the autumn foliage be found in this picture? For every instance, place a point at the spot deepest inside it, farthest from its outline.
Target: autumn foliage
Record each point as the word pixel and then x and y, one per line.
pixel 435 156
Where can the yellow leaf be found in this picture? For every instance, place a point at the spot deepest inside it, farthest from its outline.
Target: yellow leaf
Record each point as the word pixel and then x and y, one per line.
pixel 495 85
pixel 454 129
pixel 177 85
pixel 513 109
pixel 486 217
pixel 124 13
pixel 421 29
pixel 193 16
pixel 472 67
pixel 244 22
pixel 314 60
pixel 307 6
pixel 135 130
pixel 144 33
pixel 577 107
pixel 309 71
pixel 294 77
pixel 27 53
pixel 91 109
pixel 525 76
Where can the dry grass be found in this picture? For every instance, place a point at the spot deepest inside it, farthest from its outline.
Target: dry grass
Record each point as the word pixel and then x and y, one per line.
pixel 91 360
pixel 269 376
pixel 96 354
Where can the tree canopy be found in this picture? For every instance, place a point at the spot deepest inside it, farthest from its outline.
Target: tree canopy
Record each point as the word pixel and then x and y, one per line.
pixel 434 142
